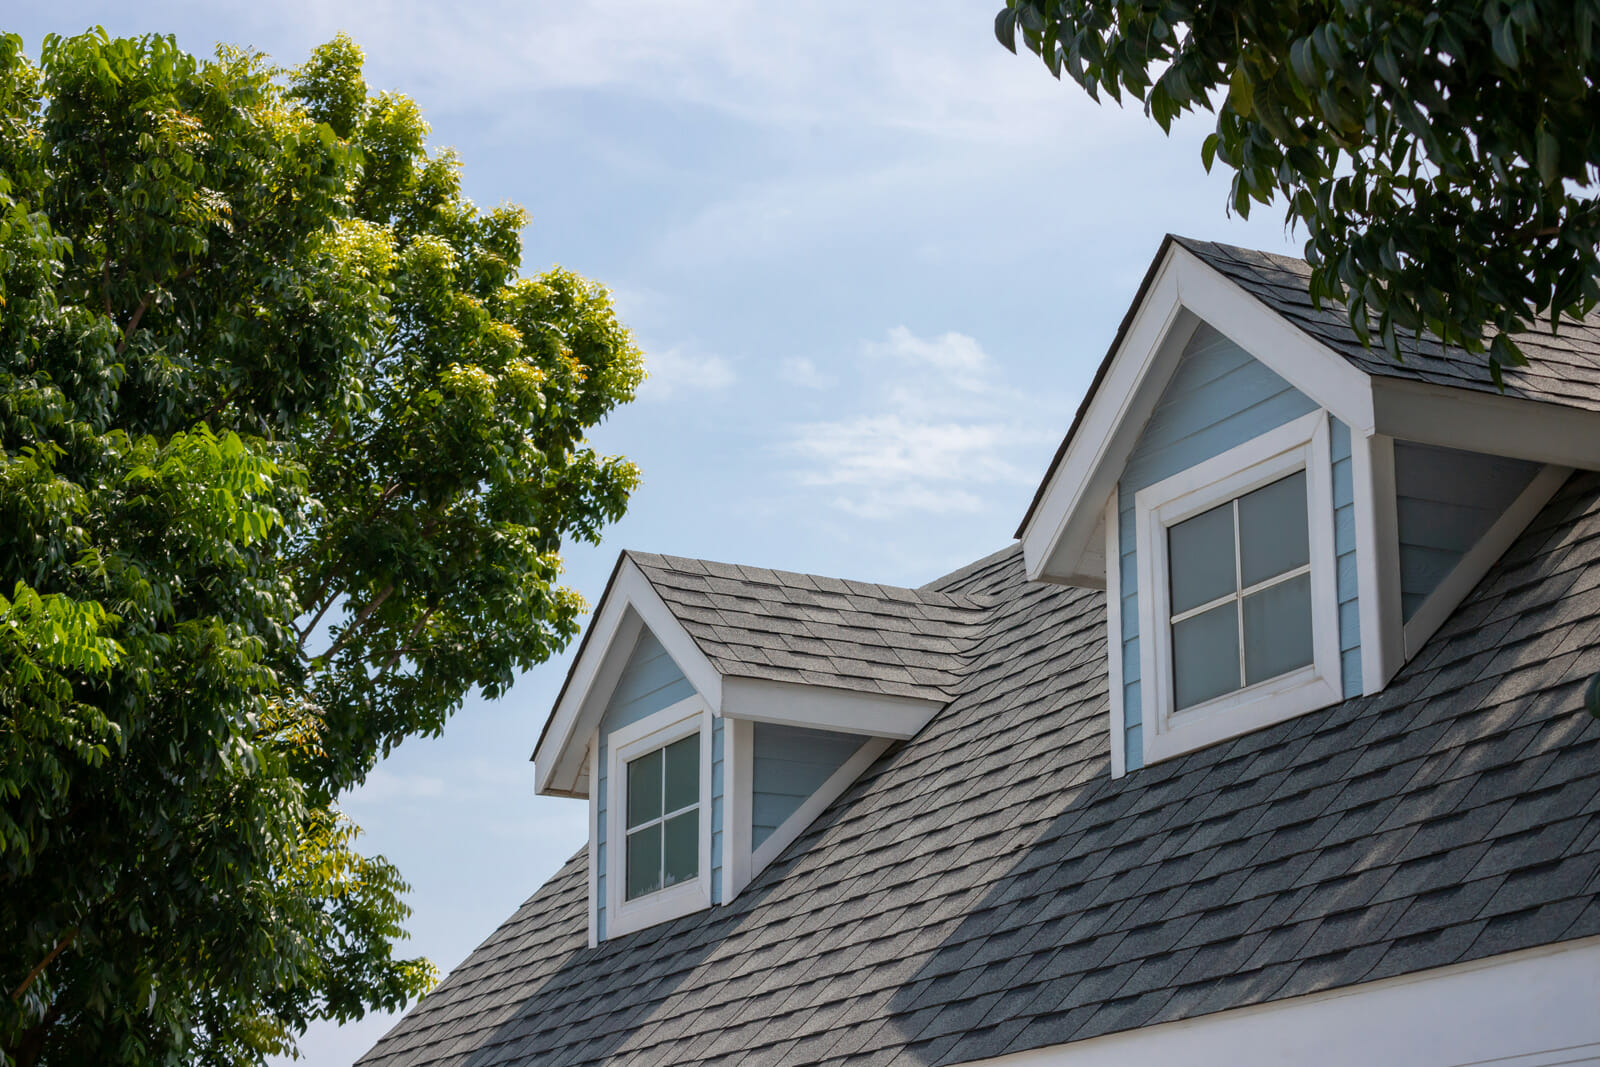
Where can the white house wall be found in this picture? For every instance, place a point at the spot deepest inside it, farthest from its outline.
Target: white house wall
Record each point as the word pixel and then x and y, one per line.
pixel 1219 398
pixel 1528 1009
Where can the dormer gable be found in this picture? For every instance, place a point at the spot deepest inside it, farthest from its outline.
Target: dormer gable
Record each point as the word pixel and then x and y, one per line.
pixel 713 712
pixel 1280 519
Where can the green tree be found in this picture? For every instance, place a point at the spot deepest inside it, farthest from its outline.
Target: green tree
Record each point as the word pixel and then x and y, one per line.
pixel 290 450
pixel 1442 156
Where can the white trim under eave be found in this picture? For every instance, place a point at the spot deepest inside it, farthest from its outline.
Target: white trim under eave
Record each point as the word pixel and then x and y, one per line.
pixel 1471 568
pixel 1496 425
pixel 1185 291
pixel 1534 1008
pixel 632 600
pixel 821 707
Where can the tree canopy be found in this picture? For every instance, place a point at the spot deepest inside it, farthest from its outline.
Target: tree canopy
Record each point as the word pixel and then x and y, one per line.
pixel 290 450
pixel 1442 157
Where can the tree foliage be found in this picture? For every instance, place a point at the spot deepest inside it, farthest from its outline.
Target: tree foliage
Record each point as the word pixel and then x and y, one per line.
pixel 290 450
pixel 1442 157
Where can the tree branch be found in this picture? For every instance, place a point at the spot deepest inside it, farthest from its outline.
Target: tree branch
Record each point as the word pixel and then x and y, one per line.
pixel 38 969
pixel 361 621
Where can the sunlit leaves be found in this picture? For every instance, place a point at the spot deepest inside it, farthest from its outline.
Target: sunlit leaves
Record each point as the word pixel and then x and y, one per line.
pixel 290 451
pixel 1442 158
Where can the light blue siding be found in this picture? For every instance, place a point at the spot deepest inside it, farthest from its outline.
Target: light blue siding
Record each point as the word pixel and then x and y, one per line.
pixel 717 772
pixel 1447 500
pixel 1219 398
pixel 790 764
pixel 1344 549
pixel 649 683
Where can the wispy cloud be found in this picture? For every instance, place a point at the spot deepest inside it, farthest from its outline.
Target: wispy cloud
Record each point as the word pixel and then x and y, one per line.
pixel 943 429
pixel 800 371
pixel 673 371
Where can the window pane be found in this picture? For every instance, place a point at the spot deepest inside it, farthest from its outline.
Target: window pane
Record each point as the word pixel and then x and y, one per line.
pixel 1272 530
pixel 644 788
pixel 1205 655
pixel 683 847
pixel 683 772
pixel 644 861
pixel 1277 629
pixel 1200 552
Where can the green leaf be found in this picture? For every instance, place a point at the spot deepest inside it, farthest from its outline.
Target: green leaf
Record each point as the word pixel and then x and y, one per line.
pixel 1005 28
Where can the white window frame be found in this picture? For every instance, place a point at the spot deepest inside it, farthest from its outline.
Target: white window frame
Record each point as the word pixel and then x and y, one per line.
pixel 662 728
pixel 1296 446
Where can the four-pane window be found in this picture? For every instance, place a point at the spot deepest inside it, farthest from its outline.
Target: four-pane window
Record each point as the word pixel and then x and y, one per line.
pixel 1240 585
pixel 663 829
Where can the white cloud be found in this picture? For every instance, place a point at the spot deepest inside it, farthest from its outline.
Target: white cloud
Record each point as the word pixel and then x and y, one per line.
pixel 944 430
pixel 672 371
pixel 800 371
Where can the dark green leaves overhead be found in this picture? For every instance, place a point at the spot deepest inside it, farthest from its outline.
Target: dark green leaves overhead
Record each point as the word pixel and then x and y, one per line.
pixel 289 450
pixel 1442 157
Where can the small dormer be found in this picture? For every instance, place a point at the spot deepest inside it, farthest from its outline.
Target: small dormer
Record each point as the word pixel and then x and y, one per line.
pixel 713 712
pixel 1280 518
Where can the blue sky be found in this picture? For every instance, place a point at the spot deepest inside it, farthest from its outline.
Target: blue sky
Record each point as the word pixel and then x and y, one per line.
pixel 873 259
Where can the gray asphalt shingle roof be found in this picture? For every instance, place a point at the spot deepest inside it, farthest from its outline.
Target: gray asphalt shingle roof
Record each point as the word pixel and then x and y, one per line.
pixel 987 887
pixel 1563 368
pixel 758 623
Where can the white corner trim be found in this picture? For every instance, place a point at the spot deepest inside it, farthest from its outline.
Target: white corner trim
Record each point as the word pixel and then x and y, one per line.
pixel 683 719
pixel 826 708
pixel 1119 733
pixel 1471 568
pixel 738 782
pixel 815 804
pixel 594 845
pixel 1377 560
pixel 1184 292
pixel 631 602
pixel 1497 425
pixel 1533 1008
pixel 1298 445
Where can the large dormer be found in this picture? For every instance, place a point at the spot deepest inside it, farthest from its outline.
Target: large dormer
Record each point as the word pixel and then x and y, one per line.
pixel 712 713
pixel 1280 517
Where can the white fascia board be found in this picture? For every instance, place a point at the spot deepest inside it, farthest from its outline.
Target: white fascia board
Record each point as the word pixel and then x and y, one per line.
pixel 1530 1009
pixel 1490 423
pixel 632 603
pixel 825 708
pixel 1186 290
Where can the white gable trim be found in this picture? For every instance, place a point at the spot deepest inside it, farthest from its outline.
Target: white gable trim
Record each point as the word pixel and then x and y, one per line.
pixel 821 707
pixel 631 602
pixel 1528 1009
pixel 1059 542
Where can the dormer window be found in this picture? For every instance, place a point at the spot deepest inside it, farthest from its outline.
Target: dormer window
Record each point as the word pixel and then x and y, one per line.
pixel 661 817
pixel 1237 552
pixel 663 800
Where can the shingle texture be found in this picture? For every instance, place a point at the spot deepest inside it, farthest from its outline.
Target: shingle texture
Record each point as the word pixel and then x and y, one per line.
pixel 1563 368
pixel 757 623
pixel 987 887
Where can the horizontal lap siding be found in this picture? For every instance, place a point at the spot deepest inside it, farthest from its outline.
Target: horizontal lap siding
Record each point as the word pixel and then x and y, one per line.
pixel 1447 500
pixel 1219 398
pixel 649 683
pixel 790 764
pixel 1344 548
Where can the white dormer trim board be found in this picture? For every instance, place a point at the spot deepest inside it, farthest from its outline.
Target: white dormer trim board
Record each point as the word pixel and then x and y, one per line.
pixel 558 762
pixel 1471 568
pixel 826 708
pixel 1495 425
pixel 1060 539
pixel 1383 650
